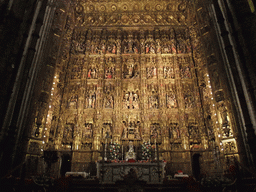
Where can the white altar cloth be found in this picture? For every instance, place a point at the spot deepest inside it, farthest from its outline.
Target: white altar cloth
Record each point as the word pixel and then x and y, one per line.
pixel 77 174
pixel 180 175
pixel 152 173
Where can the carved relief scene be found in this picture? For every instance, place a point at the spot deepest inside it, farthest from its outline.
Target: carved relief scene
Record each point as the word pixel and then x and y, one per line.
pixel 189 99
pixel 111 47
pixel 78 41
pixel 151 69
pixel 131 130
pixel 193 131
pixel 107 130
pixel 169 43
pixel 153 98
pixel 90 99
pixel 110 70
pixel 87 131
pixel 130 68
pixel 74 93
pixel 171 96
pixel 93 69
pixel 68 133
pixel 174 131
pixel 77 68
pixel 109 92
pixel 131 100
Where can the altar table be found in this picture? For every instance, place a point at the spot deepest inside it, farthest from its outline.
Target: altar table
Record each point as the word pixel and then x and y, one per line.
pixel 180 175
pixel 152 173
pixel 77 174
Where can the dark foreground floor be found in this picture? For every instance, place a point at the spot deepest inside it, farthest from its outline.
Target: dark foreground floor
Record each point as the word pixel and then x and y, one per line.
pixel 69 184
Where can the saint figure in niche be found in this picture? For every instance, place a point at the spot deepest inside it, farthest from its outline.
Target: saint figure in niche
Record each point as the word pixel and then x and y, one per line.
pixel 91 100
pixel 171 100
pixel 109 101
pixel 87 132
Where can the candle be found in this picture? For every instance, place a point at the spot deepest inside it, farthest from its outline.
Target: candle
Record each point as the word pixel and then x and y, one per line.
pixel 122 152
pixel 155 150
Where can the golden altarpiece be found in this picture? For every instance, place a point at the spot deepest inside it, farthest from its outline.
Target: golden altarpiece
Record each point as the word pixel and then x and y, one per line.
pixel 138 71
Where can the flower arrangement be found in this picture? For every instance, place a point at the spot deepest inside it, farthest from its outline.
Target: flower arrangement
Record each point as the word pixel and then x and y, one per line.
pixel 146 150
pixel 114 150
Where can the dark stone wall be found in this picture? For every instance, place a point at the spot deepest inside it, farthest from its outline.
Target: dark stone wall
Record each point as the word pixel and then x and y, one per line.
pixel 14 32
pixel 240 27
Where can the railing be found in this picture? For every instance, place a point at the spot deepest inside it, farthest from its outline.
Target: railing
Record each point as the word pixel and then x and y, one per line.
pixel 14 169
pixel 252 172
pixel 240 175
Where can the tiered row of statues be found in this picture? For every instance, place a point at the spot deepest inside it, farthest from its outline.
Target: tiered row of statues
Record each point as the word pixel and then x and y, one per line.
pixel 132 71
pixel 131 131
pixel 143 42
pixel 122 81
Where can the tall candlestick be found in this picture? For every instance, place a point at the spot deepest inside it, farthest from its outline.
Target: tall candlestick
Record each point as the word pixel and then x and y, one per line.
pixel 155 150
pixel 105 158
pixel 122 152
pixel 97 143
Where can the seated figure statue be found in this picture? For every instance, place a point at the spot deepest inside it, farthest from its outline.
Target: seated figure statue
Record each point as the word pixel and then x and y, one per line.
pixel 130 154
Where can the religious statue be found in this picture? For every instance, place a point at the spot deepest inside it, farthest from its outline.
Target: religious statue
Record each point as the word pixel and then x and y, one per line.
pixel 106 130
pixel 135 101
pixel 109 102
pixel 125 133
pixel 126 104
pixel 158 47
pixel 185 73
pixel 109 72
pixel 155 130
pixel 114 49
pixel 87 132
pixel 103 48
pixel 125 47
pixel 171 100
pixel 224 114
pixel 72 102
pixel 91 100
pixel 174 131
pixel 135 49
pixel 152 48
pixel 169 72
pixel 147 48
pixel 193 131
pixel 173 48
pixel 68 133
pixel 92 73
pixel 131 100
pixel 153 102
pixel 130 71
pixel 130 154
pixel 151 72
pixel 166 49
pixel 189 100
pixel 181 47
pixel 137 133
